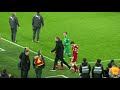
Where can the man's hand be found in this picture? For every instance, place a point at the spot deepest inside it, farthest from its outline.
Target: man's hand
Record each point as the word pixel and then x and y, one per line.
pixel 33 27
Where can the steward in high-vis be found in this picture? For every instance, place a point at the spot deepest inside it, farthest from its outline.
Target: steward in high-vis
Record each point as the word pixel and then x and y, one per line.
pixel 38 64
pixel 85 69
pixel 114 72
pixel 98 70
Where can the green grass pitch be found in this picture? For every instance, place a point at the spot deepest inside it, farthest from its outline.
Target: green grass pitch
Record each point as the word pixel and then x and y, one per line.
pixel 96 33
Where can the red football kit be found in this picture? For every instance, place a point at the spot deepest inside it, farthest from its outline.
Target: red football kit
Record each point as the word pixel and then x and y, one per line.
pixel 75 53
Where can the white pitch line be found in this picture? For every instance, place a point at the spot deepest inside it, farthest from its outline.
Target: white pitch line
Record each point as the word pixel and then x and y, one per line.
pixel 2 49
pixel 103 61
pixel 64 76
pixel 24 47
pixel 57 76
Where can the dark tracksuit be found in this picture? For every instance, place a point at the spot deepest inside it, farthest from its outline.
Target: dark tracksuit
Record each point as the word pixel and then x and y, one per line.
pixel 97 71
pixel 13 21
pixel 59 49
pixel 37 21
pixel 38 69
pixel 25 66
pixel 85 70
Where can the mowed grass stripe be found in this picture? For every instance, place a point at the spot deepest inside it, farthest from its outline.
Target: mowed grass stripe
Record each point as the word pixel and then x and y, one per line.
pixel 24 47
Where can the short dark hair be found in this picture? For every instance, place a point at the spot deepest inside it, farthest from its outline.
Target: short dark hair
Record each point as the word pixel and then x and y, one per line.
pixel 57 38
pixel 72 42
pixel 112 61
pixel 38 12
pixel 84 59
pixel 65 32
pixel 98 60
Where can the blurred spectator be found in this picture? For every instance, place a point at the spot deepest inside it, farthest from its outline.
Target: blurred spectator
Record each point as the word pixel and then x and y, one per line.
pixel 4 74
pixel 114 71
pixel 106 72
pixel 111 63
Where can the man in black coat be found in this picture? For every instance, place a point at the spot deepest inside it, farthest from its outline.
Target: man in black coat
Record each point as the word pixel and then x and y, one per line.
pixel 13 21
pixel 25 64
pixel 98 70
pixel 59 49
pixel 20 57
pixel 37 22
pixel 85 69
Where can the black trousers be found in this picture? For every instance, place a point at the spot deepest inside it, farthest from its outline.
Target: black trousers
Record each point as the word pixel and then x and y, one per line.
pixel 36 30
pixel 38 71
pixel 13 34
pixel 62 60
pixel 24 73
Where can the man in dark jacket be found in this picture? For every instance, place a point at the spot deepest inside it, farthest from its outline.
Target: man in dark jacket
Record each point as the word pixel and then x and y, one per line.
pixel 13 21
pixel 25 64
pixel 59 49
pixel 37 22
pixel 98 70
pixel 20 57
pixel 85 69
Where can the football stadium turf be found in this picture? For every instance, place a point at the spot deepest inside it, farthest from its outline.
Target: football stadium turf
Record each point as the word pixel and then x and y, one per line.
pixel 96 34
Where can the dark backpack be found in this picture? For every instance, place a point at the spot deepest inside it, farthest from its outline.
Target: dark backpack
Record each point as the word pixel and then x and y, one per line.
pixel 20 57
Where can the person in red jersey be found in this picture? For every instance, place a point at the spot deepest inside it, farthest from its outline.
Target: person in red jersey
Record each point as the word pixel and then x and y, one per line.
pixel 74 56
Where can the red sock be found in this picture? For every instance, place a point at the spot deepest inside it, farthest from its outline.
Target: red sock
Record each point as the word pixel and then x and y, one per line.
pixel 56 65
pixel 75 68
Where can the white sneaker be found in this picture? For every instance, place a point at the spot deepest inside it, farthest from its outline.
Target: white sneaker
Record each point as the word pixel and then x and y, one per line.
pixel 52 70
pixel 37 41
